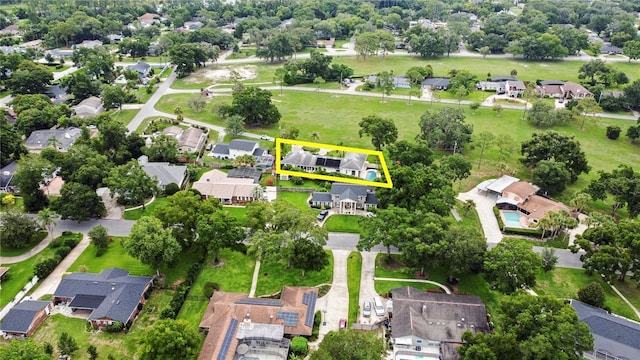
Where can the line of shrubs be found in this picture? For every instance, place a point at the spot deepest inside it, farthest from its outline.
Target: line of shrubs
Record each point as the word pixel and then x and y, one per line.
pixel 172 310
pixel 63 246
pixel 514 231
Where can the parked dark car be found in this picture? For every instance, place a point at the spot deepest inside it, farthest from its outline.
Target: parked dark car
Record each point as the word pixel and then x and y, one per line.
pixel 323 214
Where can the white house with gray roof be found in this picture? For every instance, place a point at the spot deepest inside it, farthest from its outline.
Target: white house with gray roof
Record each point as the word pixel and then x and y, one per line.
pixel 61 139
pixel 90 106
pixel 237 147
pixel 345 198
pixel 164 172
pixel 353 164
pixel 110 296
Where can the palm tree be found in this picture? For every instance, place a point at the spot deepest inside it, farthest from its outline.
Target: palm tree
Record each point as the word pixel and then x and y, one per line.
pixel 179 113
pixel 46 219
pixel 468 206
pixel 314 135
pixel 544 224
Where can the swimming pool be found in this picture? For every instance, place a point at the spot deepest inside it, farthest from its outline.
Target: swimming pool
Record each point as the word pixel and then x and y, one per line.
pixel 512 219
pixel 371 175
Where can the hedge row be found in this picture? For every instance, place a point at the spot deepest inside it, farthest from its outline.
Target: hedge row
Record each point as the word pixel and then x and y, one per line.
pixel 172 310
pixel 515 231
pixel 63 247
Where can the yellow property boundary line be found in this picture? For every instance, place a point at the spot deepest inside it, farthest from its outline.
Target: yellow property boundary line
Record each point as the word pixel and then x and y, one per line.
pixel 385 169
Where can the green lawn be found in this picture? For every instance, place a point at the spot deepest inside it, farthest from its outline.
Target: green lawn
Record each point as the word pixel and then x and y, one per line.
pixel 55 68
pixel 125 116
pixel 307 184
pixel 469 219
pixel 630 290
pixel 7 251
pixel 166 73
pixel 237 212
pixel 116 256
pixel 565 283
pixel 299 199
pixel 354 271
pixel 276 275
pixel 138 213
pixel 384 287
pixel 527 70
pixel 121 345
pixel 22 273
pixel 343 223
pixel 242 54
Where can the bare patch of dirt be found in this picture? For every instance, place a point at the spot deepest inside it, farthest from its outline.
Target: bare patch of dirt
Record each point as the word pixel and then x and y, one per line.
pixel 225 74
pixel 390 263
pixel 218 264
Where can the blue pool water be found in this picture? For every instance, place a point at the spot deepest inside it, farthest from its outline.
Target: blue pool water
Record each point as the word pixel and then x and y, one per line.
pixel 512 219
pixel 371 175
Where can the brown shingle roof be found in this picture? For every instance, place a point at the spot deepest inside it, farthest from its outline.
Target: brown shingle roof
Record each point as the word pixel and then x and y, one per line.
pixel 225 306
pixel 522 189
pixel 538 206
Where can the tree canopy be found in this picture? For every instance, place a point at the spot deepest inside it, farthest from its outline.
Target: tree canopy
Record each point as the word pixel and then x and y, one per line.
pixel 349 345
pixel 561 148
pixel 169 339
pixel 255 106
pixel 150 243
pixel 382 131
pixel 445 128
pixel 512 265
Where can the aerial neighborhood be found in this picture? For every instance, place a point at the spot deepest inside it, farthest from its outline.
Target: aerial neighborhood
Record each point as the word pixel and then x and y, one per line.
pixel 340 179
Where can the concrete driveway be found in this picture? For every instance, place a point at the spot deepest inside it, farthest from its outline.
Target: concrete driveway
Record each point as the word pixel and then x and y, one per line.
pixel 335 304
pixel 484 206
pixel 367 285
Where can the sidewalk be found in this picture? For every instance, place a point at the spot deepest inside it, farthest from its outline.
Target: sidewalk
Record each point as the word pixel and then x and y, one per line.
pixel 36 249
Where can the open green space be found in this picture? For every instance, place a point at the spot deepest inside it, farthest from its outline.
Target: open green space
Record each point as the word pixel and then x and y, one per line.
pixel 263 74
pixel 384 287
pixel 125 116
pixel 22 272
pixel 309 184
pixel 630 290
pixel 469 218
pixel 148 59
pixel 527 70
pixel 237 212
pixel 243 53
pixel 274 276
pixel 7 251
pixel 343 223
pixel 298 199
pixel 56 68
pixel 121 345
pixel 193 310
pixel 354 271
pixel 147 211
pixel 116 256
pixel 565 283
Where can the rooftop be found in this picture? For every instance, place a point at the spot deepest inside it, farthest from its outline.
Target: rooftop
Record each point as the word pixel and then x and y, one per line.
pixel 20 317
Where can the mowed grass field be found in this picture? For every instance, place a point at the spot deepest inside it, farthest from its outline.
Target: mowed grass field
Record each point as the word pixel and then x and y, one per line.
pixel 335 117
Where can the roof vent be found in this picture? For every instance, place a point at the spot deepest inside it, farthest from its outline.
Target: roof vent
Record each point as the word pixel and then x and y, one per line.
pixel 95 282
pixel 462 319
pixel 113 288
pixel 459 325
pixel 118 302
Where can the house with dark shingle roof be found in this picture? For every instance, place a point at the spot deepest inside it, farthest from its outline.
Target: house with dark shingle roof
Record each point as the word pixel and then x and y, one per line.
pixel 353 164
pixel 110 296
pixel 345 198
pixel 164 172
pixel 6 177
pixel 430 325
pixel 436 83
pixel 24 318
pixel 142 68
pixel 614 337
pixel 61 139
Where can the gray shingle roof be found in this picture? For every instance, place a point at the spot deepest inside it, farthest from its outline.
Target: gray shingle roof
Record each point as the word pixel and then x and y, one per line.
pixel 353 161
pixel 242 145
pixel 436 82
pixel 342 188
pixel 260 151
pixel 614 334
pixel 321 197
pixel 222 149
pixel 500 78
pixel 371 199
pixel 165 173
pixel 299 158
pixel 7 173
pixel 19 318
pixel 64 138
pixel 435 316
pixel 121 292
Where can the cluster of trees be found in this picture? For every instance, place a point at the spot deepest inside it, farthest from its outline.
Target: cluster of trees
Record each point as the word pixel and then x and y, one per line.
pixel 283 232
pixel 610 249
pixel 612 102
pixel 622 185
pixel 87 165
pixel 556 159
pixel 529 330
pixel 317 66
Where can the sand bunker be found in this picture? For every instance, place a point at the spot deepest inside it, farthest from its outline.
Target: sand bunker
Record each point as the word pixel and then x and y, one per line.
pixel 225 74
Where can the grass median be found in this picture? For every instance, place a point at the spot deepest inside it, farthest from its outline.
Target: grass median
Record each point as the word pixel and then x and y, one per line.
pixel 354 271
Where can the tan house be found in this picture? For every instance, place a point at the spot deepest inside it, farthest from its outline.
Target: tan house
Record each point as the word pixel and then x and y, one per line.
pixel 562 90
pixel 521 196
pixel 148 19
pixel 239 327
pixel 190 140
pixel 90 106
pixel 11 30
pixel 24 318
pixel 228 190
